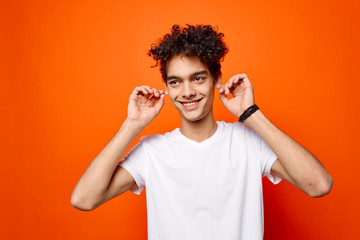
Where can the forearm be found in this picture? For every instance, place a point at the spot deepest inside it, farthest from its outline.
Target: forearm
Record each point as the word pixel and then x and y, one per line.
pixel 302 166
pixel 96 178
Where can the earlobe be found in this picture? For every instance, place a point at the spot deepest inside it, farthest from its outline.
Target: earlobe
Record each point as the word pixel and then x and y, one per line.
pixel 217 83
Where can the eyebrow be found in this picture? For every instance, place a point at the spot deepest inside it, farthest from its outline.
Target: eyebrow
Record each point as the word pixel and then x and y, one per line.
pixel 191 75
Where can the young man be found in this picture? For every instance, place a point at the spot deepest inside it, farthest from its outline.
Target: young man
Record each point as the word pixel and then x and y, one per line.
pixel 203 180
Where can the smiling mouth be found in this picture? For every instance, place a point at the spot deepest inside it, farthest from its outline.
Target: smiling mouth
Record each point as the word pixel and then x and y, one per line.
pixel 188 104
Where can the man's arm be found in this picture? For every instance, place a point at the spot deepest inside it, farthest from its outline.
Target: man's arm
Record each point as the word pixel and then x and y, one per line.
pixel 295 164
pixel 104 179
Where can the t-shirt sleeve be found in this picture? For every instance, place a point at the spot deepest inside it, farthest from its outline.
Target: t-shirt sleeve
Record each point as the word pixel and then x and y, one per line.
pixel 133 163
pixel 267 158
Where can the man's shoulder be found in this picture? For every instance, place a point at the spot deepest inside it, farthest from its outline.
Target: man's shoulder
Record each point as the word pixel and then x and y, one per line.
pixel 236 128
pixel 152 138
pixel 160 137
pixel 230 125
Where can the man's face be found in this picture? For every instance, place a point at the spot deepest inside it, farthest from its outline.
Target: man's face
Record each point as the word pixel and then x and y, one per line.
pixel 190 87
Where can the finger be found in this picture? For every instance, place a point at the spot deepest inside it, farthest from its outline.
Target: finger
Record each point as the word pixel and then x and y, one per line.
pixel 221 89
pixel 145 90
pixel 160 103
pixel 237 80
pixel 156 92
pixel 230 82
pixel 233 82
pixel 139 90
pixel 223 98
pixel 238 77
pixel 226 89
pixel 149 89
pixel 242 77
pixel 156 96
pixel 233 78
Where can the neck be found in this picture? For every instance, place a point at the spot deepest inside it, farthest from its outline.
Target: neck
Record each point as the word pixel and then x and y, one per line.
pixel 199 130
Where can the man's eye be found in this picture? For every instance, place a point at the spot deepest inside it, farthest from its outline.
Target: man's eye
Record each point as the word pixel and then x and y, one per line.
pixel 198 78
pixel 173 82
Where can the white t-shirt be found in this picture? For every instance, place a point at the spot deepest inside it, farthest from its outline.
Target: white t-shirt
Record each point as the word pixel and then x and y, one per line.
pixel 203 191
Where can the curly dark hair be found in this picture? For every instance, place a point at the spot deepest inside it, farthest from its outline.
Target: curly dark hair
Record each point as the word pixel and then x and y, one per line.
pixel 202 41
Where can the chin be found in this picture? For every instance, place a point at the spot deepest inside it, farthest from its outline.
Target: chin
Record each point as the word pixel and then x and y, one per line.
pixel 192 118
pixel 195 115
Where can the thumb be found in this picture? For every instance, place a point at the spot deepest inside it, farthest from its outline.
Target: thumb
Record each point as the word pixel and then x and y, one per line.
pixel 160 103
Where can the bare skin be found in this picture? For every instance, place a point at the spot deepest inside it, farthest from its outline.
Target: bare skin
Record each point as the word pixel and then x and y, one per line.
pixel 295 163
pixel 104 179
pixel 190 81
pixel 190 88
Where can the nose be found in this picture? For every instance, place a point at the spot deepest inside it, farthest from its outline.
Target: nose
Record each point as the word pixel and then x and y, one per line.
pixel 188 90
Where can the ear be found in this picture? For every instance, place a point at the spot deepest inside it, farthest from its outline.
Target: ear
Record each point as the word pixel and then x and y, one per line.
pixel 217 82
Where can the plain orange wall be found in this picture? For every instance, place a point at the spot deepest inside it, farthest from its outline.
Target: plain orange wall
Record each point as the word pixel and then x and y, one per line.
pixel 67 69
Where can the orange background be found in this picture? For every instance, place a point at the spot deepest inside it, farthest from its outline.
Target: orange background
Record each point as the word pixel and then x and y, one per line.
pixel 68 67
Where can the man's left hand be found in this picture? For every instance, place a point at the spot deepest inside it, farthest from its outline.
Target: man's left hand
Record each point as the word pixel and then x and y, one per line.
pixel 241 89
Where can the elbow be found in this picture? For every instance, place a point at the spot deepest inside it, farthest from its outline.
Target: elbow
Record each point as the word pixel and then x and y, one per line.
pixel 81 204
pixel 323 188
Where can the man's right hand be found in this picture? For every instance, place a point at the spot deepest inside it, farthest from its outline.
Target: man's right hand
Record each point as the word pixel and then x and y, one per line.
pixel 142 109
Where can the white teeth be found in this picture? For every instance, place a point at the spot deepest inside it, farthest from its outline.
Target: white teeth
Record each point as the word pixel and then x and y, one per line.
pixel 189 104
